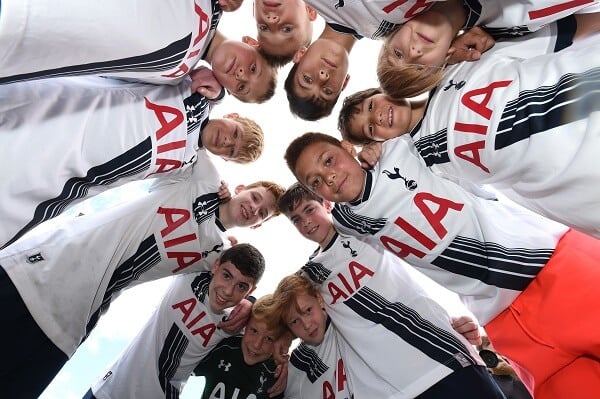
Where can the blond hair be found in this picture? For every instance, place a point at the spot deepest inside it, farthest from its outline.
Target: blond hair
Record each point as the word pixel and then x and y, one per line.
pixel 253 138
pixel 263 312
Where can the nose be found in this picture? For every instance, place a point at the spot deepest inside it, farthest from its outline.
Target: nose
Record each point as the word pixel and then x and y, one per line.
pixel 271 17
pixel 330 179
pixel 306 324
pixel 323 75
pixel 240 73
pixel 415 50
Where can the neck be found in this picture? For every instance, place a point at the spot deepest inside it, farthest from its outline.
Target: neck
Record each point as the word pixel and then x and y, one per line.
pixel 343 39
pixel 224 215
pixel 330 234
pixel 217 40
pixel 453 12
pixel 417 112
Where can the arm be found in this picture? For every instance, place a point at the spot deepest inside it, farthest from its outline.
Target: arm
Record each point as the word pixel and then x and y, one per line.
pixel 237 318
pixel 469 45
pixel 468 327
pixel 205 83
pixel 370 154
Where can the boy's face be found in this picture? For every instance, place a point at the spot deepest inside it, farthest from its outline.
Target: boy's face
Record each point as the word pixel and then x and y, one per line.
pixel 423 40
pixel 380 119
pixel 330 171
pixel 283 26
pixel 241 69
pixel 322 70
pixel 312 220
pixel 224 137
pixel 228 286
pixel 308 324
pixel 250 207
pixel 257 342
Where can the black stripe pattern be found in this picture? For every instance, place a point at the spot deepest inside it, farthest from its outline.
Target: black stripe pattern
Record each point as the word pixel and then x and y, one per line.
pixel 316 272
pixel 361 224
pixel 384 28
pixel 196 110
pixel 307 360
pixel 205 206
pixel 169 359
pixel 433 148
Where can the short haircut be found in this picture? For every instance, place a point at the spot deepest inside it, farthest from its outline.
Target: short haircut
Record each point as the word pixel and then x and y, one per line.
pixel 286 295
pixel 253 141
pixel 262 311
pixel 276 61
pixel 405 81
pixel 293 196
pixel 307 109
pixel 295 148
pixel 247 259
pixel 350 107
pixel 275 189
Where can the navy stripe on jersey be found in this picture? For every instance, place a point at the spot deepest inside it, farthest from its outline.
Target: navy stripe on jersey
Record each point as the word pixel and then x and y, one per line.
pixel 473 12
pixel 205 206
pixel 384 28
pixel 196 109
pixel 316 272
pixel 164 59
pixel 506 33
pixel 200 285
pixel 572 98
pixel 169 359
pixel 145 257
pixel 433 148
pixel 132 162
pixel 361 224
pixel 566 28
pixel 437 343
pixel 307 360
pixel 493 264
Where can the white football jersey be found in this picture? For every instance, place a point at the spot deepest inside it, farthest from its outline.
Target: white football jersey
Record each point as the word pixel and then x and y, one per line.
pixel 67 138
pixel 484 250
pixel 373 296
pixel 156 41
pixel 160 359
pixel 318 372
pixel 530 128
pixel 67 276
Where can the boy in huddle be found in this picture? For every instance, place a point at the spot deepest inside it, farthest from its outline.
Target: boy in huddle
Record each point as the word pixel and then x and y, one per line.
pixel 514 284
pixel 105 133
pixel 283 27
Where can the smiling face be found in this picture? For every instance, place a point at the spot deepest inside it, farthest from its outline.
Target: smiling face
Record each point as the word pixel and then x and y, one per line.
pixel 379 119
pixel 330 171
pixel 283 26
pixel 241 69
pixel 322 71
pixel 312 220
pixel 250 207
pixel 423 40
pixel 224 137
pixel 257 342
pixel 307 320
pixel 228 286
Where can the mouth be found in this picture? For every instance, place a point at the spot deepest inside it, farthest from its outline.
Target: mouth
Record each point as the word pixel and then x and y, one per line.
pixel 231 66
pixel 312 230
pixel 216 139
pixel 245 213
pixel 390 116
pixel 271 4
pixel 329 63
pixel 340 186
pixel 424 38
pixel 220 300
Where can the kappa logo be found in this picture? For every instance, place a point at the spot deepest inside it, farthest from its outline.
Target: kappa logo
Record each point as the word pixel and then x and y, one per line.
pixel 457 86
pixel 35 258
pixel 223 365
pixel 346 244
pixel 411 185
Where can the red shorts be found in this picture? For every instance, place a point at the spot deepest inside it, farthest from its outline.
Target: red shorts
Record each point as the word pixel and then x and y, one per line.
pixel 551 332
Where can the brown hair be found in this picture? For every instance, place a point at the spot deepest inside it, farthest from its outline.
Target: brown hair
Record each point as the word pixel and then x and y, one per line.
pixel 275 189
pixel 285 296
pixel 268 94
pixel 253 141
pixel 293 196
pixel 308 109
pixel 295 148
pixel 350 107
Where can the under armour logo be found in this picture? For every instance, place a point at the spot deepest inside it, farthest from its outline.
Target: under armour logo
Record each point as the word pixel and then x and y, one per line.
pixel 346 244
pixel 200 209
pixel 225 366
pixel 457 86
pixel 339 4
pixel 35 258
pixel 216 249
pixel 409 184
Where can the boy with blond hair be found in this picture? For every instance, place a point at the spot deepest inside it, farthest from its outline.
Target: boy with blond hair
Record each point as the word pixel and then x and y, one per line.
pixel 88 134
pixel 512 268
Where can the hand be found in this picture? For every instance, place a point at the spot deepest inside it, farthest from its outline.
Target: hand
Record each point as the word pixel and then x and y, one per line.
pixel 281 347
pixel 224 193
pixel 280 383
pixel 468 328
pixel 237 318
pixel 370 154
pixel 230 5
pixel 232 240
pixel 205 83
pixel 470 45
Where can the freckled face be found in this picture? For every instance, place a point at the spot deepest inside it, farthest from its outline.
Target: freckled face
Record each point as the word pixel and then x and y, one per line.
pixel 309 323
pixel 331 172
pixel 380 119
pixel 257 342
pixel 228 286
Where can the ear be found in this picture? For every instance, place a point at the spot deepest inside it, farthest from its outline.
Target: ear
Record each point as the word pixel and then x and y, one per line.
pixel 328 205
pixel 215 266
pixel 312 13
pixel 349 147
pixel 299 54
pixel 232 115
pixel 345 82
pixel 239 188
pixel 250 41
